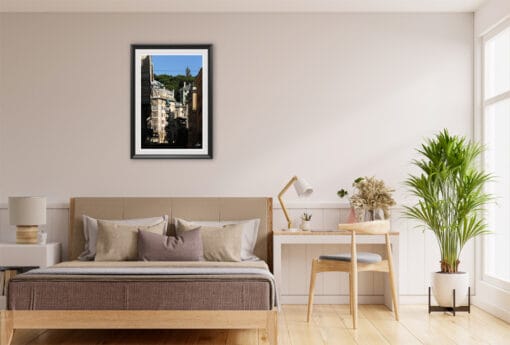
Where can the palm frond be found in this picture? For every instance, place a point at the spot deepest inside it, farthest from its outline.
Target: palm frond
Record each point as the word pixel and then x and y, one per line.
pixel 450 194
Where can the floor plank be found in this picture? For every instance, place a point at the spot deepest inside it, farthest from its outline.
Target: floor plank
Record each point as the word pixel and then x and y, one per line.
pixel 330 325
pixel 243 337
pixel 393 332
pixel 366 333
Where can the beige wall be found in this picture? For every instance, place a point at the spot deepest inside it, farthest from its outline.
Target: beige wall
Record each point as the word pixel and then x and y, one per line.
pixel 327 97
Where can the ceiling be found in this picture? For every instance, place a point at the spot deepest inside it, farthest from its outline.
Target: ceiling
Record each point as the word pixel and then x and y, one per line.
pixel 283 6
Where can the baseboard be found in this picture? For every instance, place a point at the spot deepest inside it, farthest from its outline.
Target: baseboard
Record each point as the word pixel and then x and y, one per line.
pixel 501 313
pixel 344 299
pixel 330 299
pixel 3 302
pixel 414 299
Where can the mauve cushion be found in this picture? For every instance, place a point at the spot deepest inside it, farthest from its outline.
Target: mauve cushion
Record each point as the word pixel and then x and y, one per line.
pixel 156 247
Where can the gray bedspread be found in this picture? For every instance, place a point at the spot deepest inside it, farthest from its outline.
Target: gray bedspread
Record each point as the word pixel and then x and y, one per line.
pixel 138 271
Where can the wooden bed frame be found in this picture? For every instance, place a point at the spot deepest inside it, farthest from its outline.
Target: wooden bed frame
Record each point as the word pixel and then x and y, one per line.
pixel 124 208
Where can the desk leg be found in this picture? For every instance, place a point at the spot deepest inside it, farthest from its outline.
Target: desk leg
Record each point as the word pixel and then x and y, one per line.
pixel 277 265
pixel 396 267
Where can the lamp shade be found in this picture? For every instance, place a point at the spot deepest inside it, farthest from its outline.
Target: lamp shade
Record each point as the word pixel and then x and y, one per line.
pixel 302 187
pixel 27 210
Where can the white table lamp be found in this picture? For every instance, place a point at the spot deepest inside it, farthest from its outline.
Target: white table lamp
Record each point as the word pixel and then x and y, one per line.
pixel 27 213
pixel 302 188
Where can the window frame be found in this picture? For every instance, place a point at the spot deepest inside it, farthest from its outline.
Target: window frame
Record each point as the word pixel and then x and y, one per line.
pixel 485 103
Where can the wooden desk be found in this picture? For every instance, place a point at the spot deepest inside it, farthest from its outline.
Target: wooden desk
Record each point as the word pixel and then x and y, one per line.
pixel 281 238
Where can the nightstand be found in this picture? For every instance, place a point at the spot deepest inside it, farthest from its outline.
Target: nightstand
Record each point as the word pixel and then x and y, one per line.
pixel 15 257
pixel 29 255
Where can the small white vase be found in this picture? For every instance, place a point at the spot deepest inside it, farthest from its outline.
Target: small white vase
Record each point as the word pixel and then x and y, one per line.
pixel 305 225
pixel 443 285
pixel 42 237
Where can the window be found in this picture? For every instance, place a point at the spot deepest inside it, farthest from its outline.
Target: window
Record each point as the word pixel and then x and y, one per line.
pixel 496 117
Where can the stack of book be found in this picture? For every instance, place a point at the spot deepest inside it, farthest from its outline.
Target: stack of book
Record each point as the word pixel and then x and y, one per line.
pixel 5 276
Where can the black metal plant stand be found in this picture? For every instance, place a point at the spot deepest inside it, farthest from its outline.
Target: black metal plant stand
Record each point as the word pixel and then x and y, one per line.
pixel 453 309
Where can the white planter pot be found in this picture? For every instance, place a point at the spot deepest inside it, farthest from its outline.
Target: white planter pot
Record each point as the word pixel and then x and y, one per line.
pixel 443 285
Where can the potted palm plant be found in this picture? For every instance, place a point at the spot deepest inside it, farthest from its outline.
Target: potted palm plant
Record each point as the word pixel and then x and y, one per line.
pixel 451 197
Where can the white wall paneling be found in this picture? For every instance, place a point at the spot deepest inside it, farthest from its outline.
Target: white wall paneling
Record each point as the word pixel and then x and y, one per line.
pixel 419 256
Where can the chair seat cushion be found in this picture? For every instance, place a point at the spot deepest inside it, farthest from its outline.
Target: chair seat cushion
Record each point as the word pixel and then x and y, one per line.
pixel 368 258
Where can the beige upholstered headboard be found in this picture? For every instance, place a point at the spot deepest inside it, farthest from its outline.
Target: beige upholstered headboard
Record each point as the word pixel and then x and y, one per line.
pixel 220 209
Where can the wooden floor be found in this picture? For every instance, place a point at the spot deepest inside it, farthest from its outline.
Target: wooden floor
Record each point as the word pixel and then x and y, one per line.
pixel 331 325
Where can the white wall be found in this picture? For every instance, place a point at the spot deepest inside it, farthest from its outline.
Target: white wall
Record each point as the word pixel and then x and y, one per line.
pixel 327 97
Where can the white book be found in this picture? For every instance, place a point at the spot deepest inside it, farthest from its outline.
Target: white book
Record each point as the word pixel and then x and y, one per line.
pixel 2 283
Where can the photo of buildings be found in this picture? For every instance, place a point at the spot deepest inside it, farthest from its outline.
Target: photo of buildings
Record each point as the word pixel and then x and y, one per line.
pixel 171 101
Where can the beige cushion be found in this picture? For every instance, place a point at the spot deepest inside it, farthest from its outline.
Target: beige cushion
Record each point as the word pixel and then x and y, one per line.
pixel 250 233
pixel 220 243
pixel 90 231
pixel 119 242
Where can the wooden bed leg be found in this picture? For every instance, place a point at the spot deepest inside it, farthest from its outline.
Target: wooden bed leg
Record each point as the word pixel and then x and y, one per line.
pixel 6 330
pixel 272 327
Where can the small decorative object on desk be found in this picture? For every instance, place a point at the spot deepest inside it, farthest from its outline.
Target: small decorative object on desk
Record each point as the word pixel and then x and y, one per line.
pixel 371 196
pixel 42 237
pixel 305 221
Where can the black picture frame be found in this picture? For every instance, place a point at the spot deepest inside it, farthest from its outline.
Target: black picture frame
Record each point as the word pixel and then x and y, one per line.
pixel 187 130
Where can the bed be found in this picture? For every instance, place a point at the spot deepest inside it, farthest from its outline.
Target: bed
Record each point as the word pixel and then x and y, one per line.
pixel 150 295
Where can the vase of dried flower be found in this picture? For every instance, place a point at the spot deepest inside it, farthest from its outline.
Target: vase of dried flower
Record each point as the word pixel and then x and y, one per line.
pixel 371 200
pixel 352 216
pixel 374 214
pixel 370 215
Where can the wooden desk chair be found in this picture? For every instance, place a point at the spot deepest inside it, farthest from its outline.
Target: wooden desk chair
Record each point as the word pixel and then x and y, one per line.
pixel 361 262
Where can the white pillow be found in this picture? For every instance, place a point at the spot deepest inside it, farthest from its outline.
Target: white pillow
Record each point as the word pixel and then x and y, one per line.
pixel 90 231
pixel 250 233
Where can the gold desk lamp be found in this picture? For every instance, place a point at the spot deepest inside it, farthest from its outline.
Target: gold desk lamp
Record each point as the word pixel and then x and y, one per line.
pixel 302 187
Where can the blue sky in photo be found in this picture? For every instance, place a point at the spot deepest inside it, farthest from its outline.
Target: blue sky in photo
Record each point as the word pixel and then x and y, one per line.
pixel 176 64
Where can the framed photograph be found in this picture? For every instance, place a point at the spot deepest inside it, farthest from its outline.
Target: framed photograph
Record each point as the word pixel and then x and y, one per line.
pixel 171 101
